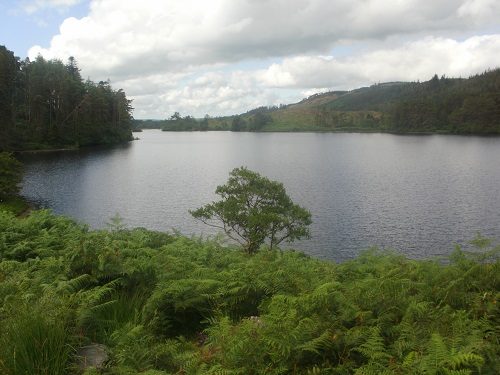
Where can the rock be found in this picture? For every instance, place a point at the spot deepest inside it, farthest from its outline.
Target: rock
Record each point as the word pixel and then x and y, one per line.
pixel 93 355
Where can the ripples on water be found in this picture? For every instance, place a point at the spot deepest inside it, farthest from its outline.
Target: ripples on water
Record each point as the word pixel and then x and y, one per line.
pixel 419 195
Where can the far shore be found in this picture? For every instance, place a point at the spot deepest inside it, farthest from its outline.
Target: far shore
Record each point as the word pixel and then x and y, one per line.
pixel 46 150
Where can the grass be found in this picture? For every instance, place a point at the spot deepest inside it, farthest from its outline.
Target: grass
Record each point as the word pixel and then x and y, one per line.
pixel 33 344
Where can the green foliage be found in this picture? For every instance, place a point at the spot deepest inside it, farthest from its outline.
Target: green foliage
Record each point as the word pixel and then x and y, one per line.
pixel 116 223
pixel 45 104
pixel 138 125
pixel 11 175
pixel 179 123
pixel 40 235
pixel 258 121
pixel 33 342
pixel 14 204
pixel 440 105
pixel 9 65
pixel 131 347
pixel 254 209
pixel 238 124
pixel 168 304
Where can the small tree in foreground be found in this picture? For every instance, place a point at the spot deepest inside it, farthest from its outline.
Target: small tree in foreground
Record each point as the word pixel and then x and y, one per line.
pixel 254 210
pixel 11 175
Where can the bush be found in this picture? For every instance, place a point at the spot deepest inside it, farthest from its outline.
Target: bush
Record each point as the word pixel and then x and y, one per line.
pixel 11 175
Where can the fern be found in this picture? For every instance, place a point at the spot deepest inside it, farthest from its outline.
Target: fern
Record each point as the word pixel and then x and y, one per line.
pixel 373 348
pixel 318 344
pixel 93 306
pixel 165 303
pixel 74 285
pixel 131 347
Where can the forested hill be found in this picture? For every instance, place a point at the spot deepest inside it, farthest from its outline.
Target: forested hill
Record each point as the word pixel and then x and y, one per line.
pixel 440 105
pixel 45 104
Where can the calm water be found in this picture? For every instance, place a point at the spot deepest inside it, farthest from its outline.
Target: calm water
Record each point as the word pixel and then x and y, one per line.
pixel 419 195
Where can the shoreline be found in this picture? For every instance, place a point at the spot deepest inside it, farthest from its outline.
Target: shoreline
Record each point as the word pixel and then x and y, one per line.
pixel 31 207
pixel 46 151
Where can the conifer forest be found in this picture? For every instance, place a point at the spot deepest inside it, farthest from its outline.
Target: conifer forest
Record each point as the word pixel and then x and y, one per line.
pixel 46 104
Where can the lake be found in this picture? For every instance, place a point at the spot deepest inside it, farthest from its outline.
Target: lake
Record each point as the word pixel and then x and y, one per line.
pixel 417 195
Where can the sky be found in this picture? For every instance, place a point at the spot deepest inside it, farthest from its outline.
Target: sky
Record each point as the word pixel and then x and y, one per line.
pixel 226 57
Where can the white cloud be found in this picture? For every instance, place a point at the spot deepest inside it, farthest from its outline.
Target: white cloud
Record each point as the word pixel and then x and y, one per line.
pixel 418 60
pixel 194 32
pixel 197 56
pixel 214 93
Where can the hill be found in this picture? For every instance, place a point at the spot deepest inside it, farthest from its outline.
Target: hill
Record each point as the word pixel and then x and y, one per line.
pixel 440 105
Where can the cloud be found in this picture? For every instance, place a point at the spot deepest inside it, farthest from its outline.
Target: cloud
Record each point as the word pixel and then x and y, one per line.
pixel 479 11
pixel 213 93
pixel 418 60
pixel 220 56
pixel 148 34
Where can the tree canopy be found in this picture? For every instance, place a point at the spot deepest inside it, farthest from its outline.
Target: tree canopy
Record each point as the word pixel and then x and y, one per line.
pixel 46 104
pixel 179 123
pixel 440 105
pixel 447 105
pixel 254 210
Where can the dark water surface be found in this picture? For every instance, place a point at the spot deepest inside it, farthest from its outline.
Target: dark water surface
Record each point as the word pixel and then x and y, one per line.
pixel 419 195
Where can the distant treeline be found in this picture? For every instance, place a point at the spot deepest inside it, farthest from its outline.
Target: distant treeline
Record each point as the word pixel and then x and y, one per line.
pixel 175 123
pixel 450 105
pixel 440 105
pixel 45 104
pixel 187 123
pixel 138 125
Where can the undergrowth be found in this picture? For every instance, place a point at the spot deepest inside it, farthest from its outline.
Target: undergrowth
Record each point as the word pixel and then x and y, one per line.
pixel 167 304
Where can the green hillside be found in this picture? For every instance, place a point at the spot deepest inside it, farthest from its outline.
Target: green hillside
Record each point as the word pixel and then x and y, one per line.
pixel 440 105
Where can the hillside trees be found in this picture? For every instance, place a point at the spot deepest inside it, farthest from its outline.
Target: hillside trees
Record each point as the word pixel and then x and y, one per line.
pixel 253 210
pixel 258 121
pixel 179 123
pixel 449 105
pixel 46 104
pixel 238 124
pixel 204 124
pixel 440 105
